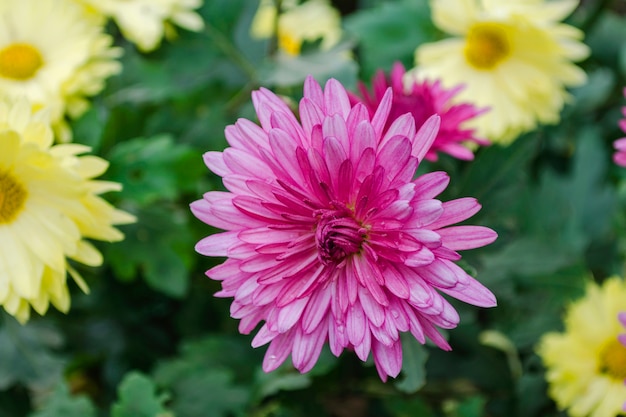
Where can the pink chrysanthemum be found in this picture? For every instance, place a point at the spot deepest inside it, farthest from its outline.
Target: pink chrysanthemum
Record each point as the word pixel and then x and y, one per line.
pixel 328 235
pixel 423 99
pixel 619 157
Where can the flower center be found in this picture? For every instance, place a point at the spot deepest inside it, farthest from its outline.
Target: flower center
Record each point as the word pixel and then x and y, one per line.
pixel 289 43
pixel 12 197
pixel 613 360
pixel 20 61
pixel 338 235
pixel 486 45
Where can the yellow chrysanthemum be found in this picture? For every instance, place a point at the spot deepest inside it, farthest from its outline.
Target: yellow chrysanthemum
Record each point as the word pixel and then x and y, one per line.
pixel 145 22
pixel 309 21
pixel 586 365
pixel 513 56
pixel 54 54
pixel 49 205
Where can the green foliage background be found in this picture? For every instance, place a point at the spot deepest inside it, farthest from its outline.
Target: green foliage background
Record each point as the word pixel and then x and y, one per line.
pixel 150 340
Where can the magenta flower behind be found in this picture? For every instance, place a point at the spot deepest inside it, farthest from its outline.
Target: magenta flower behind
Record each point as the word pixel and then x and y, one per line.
pixel 619 157
pixel 423 99
pixel 329 237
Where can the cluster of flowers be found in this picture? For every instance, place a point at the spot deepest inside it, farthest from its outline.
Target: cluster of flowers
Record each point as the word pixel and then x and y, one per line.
pixel 54 54
pixel 329 237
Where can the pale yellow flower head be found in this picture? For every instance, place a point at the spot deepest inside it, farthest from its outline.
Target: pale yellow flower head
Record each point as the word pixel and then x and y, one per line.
pixel 586 364
pixel 298 23
pixel 55 54
pixel 146 22
pixel 49 206
pixel 514 56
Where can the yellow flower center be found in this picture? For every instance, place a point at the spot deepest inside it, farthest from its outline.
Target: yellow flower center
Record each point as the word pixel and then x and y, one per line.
pixel 613 360
pixel 20 61
pixel 486 45
pixel 288 43
pixel 12 197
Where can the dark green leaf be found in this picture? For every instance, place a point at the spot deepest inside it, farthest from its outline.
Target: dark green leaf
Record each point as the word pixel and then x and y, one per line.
pixel 414 356
pixel 29 354
pixel 390 32
pixel 201 378
pixel 154 168
pixel 62 404
pixel 160 246
pixel 137 397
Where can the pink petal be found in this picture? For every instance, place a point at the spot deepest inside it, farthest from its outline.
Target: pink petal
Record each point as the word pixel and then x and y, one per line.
pixel 442 274
pixel 290 126
pixel 215 162
pixel 244 163
pixel 249 136
pixel 394 154
pixel 217 244
pixel 284 149
pixel 278 351
pixel 388 359
pixel 266 103
pixel 356 324
pixel 426 212
pixel 335 126
pixel 466 237
pixel 290 314
pixel 334 156
pixel 224 270
pixel 382 112
pixel 373 310
pixel 316 310
pixel 337 337
pixel 362 350
pixel 431 184
pixel 472 292
pixel 336 99
pixel 310 115
pixel 222 213
pixel 358 114
pixel 455 211
pixel 307 348
pixel 263 336
pixel 425 137
pixel 403 126
pixel 313 91
pixel 395 282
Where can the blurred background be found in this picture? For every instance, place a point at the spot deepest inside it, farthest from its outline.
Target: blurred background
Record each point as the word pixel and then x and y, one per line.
pixel 151 340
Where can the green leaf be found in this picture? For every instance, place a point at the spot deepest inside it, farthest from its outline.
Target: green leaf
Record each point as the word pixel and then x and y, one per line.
pixel 390 32
pixel 414 356
pixel 526 256
pixel 62 404
pixel 29 354
pixel 155 168
pixel 273 382
pixel 138 398
pixel 595 92
pixel 212 390
pixel 409 407
pixel 606 37
pixel 471 407
pixel 202 377
pixel 159 246
pixel 88 129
